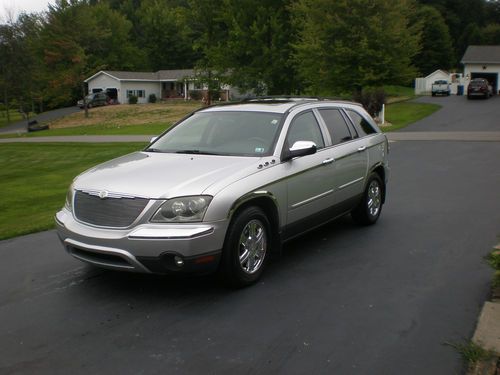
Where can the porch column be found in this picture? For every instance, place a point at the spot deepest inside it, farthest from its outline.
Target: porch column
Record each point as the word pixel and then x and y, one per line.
pixel 185 90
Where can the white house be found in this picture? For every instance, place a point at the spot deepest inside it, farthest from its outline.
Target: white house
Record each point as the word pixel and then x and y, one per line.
pixel 482 62
pixel 163 84
pixel 423 85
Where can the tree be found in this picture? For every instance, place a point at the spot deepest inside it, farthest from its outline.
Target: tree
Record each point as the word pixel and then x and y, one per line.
pixel 209 34
pixel 78 40
pixel 257 48
pixel 347 45
pixel 491 34
pixel 19 62
pixel 166 35
pixel 437 50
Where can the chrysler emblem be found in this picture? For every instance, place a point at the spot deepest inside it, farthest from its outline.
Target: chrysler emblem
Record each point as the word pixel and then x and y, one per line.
pixel 103 194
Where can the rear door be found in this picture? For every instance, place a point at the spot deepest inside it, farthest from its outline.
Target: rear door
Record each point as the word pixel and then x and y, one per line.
pixel 349 154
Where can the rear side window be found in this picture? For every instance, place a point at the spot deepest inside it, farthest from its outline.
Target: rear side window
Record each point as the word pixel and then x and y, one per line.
pixel 362 126
pixel 305 128
pixel 337 127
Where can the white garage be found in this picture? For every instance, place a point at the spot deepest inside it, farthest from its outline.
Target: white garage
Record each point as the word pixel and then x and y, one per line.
pixel 483 62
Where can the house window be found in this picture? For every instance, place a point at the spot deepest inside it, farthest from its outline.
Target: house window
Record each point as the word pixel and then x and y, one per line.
pixel 138 93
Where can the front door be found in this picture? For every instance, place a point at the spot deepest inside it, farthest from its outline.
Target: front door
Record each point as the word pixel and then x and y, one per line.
pixel 309 183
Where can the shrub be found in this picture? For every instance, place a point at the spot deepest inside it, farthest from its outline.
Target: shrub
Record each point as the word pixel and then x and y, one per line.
pixel 195 94
pixel 132 99
pixel 152 98
pixel 215 95
pixel 372 99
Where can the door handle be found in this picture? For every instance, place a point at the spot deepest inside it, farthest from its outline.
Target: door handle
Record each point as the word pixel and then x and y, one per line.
pixel 361 149
pixel 328 161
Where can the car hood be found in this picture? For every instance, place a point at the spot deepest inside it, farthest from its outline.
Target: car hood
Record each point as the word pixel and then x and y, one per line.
pixel 165 175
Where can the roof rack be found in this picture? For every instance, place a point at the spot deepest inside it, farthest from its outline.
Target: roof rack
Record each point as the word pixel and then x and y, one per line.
pixel 280 98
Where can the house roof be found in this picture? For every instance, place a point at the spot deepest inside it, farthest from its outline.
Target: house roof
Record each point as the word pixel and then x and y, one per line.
pixel 481 55
pixel 175 74
pixel 438 71
pixel 161 75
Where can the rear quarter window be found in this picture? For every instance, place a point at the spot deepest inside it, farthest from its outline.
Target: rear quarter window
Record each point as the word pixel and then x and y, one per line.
pixel 337 127
pixel 360 123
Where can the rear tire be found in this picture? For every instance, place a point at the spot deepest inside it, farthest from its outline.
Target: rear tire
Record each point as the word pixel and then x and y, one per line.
pixel 370 207
pixel 246 247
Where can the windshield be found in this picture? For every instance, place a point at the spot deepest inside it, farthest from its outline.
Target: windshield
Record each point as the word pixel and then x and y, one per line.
pixel 222 133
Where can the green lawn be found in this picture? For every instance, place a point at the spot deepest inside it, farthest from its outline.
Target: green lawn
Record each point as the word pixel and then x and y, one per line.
pixel 99 129
pixel 34 179
pixel 405 113
pixel 399 91
pixel 14 117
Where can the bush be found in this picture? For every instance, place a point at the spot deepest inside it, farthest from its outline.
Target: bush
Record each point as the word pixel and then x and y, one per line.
pixel 215 95
pixel 372 99
pixel 195 94
pixel 152 98
pixel 132 99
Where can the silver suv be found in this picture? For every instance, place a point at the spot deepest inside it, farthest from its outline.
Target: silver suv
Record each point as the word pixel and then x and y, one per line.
pixel 226 186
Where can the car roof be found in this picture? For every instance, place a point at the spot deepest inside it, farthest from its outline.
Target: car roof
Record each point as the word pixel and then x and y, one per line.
pixel 275 105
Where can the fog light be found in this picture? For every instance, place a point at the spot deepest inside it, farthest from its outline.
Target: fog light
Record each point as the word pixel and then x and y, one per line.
pixel 178 261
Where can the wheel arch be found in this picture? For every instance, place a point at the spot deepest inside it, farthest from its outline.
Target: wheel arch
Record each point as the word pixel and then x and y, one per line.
pixel 380 170
pixel 268 203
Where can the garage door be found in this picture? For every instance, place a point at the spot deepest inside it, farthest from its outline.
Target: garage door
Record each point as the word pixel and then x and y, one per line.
pixel 491 77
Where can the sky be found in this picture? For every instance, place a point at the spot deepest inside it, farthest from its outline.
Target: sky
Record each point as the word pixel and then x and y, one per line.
pixel 18 6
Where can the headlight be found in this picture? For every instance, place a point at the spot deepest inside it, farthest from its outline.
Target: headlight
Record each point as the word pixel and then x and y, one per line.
pixel 182 209
pixel 69 199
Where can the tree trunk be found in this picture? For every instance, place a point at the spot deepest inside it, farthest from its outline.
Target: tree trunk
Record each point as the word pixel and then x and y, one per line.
pixel 209 96
pixel 6 101
pixel 85 101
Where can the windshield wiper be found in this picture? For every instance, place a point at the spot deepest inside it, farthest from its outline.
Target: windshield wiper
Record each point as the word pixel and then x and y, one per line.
pixel 152 149
pixel 199 152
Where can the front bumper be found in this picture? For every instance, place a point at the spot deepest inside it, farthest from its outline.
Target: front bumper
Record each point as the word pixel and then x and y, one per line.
pixel 146 248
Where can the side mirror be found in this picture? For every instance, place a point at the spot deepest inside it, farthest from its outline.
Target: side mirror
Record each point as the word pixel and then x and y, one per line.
pixel 153 139
pixel 300 148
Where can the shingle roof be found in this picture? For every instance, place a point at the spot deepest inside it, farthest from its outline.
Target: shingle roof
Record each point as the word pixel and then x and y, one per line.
pixel 175 74
pixel 161 75
pixel 133 75
pixel 482 54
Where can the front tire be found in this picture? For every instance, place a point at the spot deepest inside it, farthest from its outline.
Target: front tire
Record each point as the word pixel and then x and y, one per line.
pixel 246 247
pixel 370 207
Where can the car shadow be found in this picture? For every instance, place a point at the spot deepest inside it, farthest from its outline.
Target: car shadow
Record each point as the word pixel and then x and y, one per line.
pixel 306 249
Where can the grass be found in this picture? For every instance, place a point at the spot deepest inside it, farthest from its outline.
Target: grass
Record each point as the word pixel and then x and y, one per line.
pixel 99 129
pixel 402 114
pixel 139 119
pixel 399 93
pixel 14 117
pixel 153 119
pixel 493 260
pixel 34 179
pixel 471 352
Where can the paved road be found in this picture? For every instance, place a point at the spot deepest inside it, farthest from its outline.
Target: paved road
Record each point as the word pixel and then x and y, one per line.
pixel 343 299
pixel 460 114
pixel 21 126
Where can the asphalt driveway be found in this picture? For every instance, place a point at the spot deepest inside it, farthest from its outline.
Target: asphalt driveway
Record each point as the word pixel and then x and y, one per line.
pixel 21 126
pixel 341 300
pixel 459 114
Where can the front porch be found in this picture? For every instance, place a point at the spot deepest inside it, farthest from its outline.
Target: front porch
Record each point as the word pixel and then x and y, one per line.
pixel 174 90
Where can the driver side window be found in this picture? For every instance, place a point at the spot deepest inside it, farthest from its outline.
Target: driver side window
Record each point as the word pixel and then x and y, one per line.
pixel 305 128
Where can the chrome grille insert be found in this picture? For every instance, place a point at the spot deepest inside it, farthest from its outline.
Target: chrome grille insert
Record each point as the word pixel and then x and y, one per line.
pixel 107 212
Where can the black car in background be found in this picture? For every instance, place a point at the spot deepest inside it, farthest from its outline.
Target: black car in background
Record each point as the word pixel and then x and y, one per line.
pixel 479 87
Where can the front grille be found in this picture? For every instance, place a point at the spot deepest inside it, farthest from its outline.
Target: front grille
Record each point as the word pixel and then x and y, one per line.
pixel 108 212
